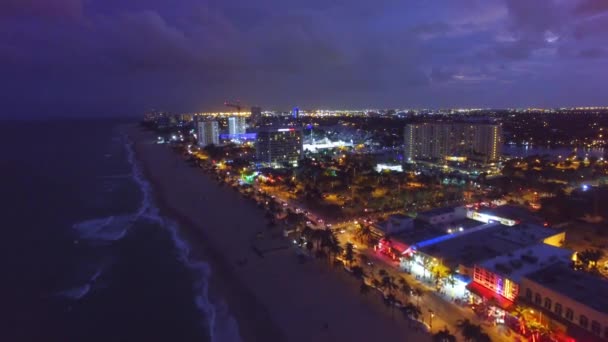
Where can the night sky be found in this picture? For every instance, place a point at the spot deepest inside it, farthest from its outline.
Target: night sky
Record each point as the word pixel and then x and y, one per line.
pixel 119 57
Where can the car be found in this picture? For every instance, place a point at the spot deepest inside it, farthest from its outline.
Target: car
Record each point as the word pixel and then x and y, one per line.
pixel 284 204
pixel 320 220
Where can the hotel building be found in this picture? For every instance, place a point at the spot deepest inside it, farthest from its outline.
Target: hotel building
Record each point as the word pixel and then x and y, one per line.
pixel 208 133
pixel 279 146
pixel 236 125
pixel 453 141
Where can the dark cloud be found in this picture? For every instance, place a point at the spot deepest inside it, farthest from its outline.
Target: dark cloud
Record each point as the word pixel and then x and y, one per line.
pixel 593 53
pixel 592 7
pixel 57 9
pixel 124 56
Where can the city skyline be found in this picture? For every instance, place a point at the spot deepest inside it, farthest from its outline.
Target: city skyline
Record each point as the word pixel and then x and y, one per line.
pixel 92 58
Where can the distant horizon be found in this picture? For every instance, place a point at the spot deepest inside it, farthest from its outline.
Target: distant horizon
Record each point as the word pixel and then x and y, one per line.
pixel 138 115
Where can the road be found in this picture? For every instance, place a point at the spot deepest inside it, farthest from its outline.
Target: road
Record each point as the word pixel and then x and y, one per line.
pixel 446 313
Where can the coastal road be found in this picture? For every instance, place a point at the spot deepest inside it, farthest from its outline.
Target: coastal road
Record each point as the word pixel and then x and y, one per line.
pixel 446 312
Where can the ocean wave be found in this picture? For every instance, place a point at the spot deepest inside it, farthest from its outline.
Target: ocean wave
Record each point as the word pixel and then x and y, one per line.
pixel 79 292
pixel 110 228
pixel 221 325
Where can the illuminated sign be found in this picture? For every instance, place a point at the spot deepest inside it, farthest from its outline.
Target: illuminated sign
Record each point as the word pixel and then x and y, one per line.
pixel 286 129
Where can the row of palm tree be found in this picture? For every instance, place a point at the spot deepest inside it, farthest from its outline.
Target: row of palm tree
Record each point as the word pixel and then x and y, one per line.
pixel 472 332
pixel 323 242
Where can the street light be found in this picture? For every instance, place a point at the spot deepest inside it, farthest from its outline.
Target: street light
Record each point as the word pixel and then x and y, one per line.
pixel 431 319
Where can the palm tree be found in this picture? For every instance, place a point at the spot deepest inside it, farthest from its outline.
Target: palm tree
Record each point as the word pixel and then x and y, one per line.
pixel 450 279
pixel 364 289
pixel 364 234
pixel 390 302
pixel 404 288
pixel 590 257
pixel 411 312
pixel 358 272
pixel 382 273
pixel 418 292
pixel 309 246
pixel 469 331
pixel 388 284
pixel 349 253
pixel 444 335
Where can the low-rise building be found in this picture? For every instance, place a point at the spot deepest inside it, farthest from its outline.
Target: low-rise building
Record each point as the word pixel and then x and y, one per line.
pixel 500 277
pixel 576 299
pixel 463 250
pixel 394 224
pixel 443 215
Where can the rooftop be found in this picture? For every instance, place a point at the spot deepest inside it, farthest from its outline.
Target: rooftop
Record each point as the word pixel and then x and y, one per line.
pixel 438 211
pixel 583 287
pixel 483 244
pixel 512 212
pixel 424 231
pixel 518 263
pixel 399 217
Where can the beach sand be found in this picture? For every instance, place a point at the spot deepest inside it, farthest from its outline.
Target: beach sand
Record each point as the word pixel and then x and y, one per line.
pixel 274 297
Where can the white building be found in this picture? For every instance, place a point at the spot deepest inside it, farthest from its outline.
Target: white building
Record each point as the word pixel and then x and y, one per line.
pixel 236 125
pixel 208 133
pixel 396 223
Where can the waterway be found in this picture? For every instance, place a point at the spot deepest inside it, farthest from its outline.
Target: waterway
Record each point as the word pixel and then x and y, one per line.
pixel 553 152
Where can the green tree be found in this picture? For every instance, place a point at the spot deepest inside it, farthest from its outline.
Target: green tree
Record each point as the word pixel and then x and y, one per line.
pixel 349 253
pixel 444 335
pixel 404 288
pixel 468 330
pixel 364 289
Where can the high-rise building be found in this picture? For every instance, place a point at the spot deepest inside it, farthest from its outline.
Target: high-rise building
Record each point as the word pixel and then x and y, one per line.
pixel 208 133
pixel 295 113
pixel 279 146
pixel 256 116
pixel 453 141
pixel 236 125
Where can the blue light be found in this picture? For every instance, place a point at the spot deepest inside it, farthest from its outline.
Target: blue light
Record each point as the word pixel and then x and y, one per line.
pixel 585 187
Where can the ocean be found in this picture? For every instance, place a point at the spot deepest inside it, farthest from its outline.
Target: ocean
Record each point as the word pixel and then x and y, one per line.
pixel 85 253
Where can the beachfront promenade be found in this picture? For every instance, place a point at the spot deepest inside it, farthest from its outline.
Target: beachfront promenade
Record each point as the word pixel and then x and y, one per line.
pixel 273 296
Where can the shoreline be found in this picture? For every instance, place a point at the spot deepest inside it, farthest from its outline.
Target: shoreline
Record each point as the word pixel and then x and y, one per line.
pixel 232 291
pixel 273 298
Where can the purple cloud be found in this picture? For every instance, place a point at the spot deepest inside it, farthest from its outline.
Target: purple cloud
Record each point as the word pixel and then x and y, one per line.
pixel 124 56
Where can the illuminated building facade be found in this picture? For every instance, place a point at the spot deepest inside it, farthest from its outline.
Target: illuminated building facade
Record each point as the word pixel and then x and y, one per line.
pixel 576 299
pixel 453 141
pixel 503 274
pixel 208 133
pixel 237 125
pixel 279 146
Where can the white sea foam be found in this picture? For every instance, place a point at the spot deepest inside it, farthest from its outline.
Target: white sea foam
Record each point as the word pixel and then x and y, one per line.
pixel 221 326
pixel 110 228
pixel 79 292
pixel 223 330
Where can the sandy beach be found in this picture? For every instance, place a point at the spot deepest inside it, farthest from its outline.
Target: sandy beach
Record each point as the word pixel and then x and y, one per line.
pixel 273 297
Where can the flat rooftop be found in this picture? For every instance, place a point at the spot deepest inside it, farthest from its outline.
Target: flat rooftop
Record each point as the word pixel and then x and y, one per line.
pixel 479 245
pixel 424 231
pixel 438 211
pixel 583 287
pixel 512 212
pixel 518 263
